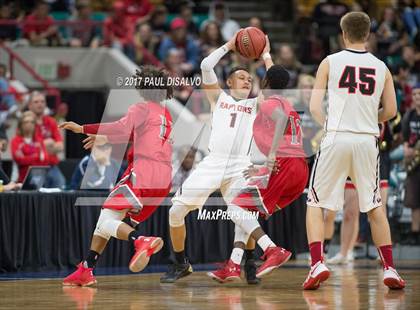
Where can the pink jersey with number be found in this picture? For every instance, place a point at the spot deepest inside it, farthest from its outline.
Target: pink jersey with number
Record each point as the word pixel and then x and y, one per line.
pixel 291 142
pixel 149 125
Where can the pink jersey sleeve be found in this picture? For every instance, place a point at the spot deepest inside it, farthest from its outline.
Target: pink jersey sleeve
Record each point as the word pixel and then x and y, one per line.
pixel 120 130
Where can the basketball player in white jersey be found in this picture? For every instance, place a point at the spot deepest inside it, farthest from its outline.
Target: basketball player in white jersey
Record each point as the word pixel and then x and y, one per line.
pixel 357 84
pixel 233 115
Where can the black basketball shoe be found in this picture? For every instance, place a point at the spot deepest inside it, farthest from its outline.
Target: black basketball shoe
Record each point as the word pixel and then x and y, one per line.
pixel 250 272
pixel 177 271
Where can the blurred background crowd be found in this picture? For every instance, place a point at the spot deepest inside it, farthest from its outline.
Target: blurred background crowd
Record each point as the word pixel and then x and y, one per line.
pixel 177 35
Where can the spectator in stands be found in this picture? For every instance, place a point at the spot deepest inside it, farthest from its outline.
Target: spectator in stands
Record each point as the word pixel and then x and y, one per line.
pixel 8 26
pixel 286 57
pixel 210 38
pixel 47 130
pixel 411 137
pixel 257 23
pixel 311 49
pixel 39 27
pixel 28 148
pixel 186 13
pixel 412 58
pixel 67 6
pixel 83 32
pixel 178 39
pixel 389 34
pixel 101 5
pixel 4 179
pixel 327 16
pixel 310 128
pixel 158 21
pixel 96 171
pixel 138 11
pixel 147 45
pixel 411 18
pixel 402 87
pixel 186 159
pixel 7 100
pixel 220 14
pixel 174 66
pixel 119 32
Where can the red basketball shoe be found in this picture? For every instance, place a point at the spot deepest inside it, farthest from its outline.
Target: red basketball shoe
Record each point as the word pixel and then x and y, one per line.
pixel 392 279
pixel 83 276
pixel 318 274
pixel 274 257
pixel 145 247
pixel 229 272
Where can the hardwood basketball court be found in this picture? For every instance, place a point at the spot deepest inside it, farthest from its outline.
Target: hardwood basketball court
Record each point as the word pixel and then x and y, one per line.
pixel 350 287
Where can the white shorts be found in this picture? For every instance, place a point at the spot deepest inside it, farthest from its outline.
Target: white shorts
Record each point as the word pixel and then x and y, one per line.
pixel 214 172
pixel 342 155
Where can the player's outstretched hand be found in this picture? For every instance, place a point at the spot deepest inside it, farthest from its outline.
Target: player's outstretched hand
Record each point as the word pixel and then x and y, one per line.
pixel 92 140
pixel 72 126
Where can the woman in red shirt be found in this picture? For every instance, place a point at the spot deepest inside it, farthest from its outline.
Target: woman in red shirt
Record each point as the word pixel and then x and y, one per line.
pixel 27 148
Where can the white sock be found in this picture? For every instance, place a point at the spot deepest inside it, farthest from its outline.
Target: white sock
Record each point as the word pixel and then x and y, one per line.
pixel 236 255
pixel 265 242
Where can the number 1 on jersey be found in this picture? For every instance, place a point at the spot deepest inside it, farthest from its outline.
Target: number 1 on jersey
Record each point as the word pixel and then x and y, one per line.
pixel 233 119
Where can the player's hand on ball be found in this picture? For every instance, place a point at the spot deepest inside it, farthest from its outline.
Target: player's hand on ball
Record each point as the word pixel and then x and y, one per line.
pixel 231 44
pixel 72 126
pixel 92 140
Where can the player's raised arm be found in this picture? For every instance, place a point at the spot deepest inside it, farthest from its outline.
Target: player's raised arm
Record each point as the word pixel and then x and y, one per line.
pixel 265 55
pixel 210 82
pixel 318 92
pixel 388 100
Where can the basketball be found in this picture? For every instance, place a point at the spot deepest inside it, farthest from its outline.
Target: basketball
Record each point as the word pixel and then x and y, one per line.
pixel 250 42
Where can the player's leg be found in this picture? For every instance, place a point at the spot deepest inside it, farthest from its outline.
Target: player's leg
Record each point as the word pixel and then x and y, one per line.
pixel 328 230
pixel 274 255
pixel 193 193
pixel 181 267
pixel 366 173
pixel 250 267
pixel 83 276
pixel 349 227
pixel 326 191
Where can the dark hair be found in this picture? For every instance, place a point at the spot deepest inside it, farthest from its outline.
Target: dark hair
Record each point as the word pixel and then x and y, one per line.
pixel 219 6
pixel 205 37
pixel 152 83
pixel 237 68
pixel 276 78
pixel 403 65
